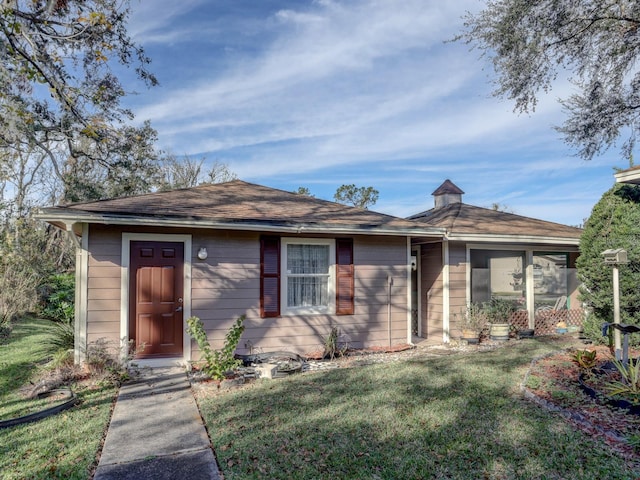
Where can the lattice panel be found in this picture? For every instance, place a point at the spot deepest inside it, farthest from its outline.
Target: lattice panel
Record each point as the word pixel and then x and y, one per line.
pixel 520 319
pixel 547 320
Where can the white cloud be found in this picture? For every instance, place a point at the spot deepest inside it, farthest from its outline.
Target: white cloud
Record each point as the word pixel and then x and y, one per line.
pixel 313 93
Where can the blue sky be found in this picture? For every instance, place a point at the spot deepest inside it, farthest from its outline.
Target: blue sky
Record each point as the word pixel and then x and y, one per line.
pixel 330 92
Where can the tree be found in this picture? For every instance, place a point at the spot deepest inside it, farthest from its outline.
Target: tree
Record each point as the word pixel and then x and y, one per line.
pixel 219 173
pixel 57 89
pixel 501 207
pixel 185 172
pixel 532 42
pixel 303 191
pixel 63 132
pixel 132 168
pixel 614 223
pixel 361 197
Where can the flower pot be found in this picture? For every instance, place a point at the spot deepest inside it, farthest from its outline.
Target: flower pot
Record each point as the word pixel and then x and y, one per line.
pixel 526 333
pixel 499 331
pixel 470 336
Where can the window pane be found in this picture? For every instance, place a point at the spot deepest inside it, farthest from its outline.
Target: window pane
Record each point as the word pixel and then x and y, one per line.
pixel 305 259
pixel 307 291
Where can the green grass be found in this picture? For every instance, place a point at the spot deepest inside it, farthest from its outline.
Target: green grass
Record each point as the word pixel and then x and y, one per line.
pixel 63 446
pixel 455 417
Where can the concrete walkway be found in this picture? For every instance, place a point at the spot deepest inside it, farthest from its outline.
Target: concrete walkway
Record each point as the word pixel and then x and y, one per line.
pixel 156 432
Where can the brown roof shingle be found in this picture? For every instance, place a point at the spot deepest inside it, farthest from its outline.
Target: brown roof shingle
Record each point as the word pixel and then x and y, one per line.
pixel 238 203
pixel 461 219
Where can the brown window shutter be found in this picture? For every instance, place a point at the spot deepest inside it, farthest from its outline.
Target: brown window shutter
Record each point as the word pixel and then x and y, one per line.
pixel 269 277
pixel 344 276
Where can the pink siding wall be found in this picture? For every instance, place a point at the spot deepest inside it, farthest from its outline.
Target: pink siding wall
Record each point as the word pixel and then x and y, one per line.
pixel 431 289
pixel 103 295
pixel 227 285
pixel 457 286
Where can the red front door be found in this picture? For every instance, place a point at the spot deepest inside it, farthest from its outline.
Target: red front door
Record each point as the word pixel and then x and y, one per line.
pixel 155 311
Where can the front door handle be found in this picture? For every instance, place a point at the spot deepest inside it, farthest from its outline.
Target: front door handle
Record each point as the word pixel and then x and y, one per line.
pixel 179 309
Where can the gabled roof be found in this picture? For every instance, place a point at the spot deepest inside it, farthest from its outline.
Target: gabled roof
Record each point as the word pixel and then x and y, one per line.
pixel 468 222
pixel 447 187
pixel 235 205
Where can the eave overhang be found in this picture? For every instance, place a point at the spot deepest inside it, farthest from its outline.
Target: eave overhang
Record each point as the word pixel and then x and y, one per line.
pixel 66 219
pixel 511 239
pixel 628 176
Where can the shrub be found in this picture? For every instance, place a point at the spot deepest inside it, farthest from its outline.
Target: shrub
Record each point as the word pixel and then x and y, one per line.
pixel 614 223
pixel 217 362
pixel 332 346
pixel 104 358
pixel 61 339
pixel 58 297
pixel 18 283
pixel 585 359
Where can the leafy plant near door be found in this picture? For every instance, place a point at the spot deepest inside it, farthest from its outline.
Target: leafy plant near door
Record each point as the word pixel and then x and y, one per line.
pixel 217 362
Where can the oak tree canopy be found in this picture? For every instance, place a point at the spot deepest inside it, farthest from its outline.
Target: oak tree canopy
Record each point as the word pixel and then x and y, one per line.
pixel 596 43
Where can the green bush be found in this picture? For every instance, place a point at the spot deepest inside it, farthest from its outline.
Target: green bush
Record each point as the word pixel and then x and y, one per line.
pixel 58 297
pixel 217 362
pixel 61 339
pixel 614 223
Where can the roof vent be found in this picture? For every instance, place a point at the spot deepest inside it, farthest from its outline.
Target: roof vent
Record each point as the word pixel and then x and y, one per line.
pixel 446 194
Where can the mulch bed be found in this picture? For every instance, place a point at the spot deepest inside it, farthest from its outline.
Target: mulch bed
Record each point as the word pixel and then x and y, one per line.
pixel 553 382
pixel 320 355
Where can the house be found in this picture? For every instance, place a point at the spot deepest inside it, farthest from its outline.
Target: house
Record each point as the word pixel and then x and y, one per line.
pixel 630 175
pixel 296 266
pixel 487 254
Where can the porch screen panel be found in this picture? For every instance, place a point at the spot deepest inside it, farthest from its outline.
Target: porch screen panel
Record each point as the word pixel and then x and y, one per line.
pixel 550 279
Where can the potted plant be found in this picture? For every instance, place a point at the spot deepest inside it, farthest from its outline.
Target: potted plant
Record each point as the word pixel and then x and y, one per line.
pixel 500 311
pixel 473 319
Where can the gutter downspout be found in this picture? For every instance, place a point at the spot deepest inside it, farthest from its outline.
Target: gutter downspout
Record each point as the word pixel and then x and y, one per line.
pixel 389 284
pixel 445 290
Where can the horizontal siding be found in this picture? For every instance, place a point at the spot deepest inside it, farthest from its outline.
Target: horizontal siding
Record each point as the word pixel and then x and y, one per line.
pixel 227 285
pixel 431 289
pixel 103 282
pixel 458 286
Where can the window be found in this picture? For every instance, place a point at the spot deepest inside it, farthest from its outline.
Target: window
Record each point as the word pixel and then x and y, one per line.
pixel 308 280
pixel 306 276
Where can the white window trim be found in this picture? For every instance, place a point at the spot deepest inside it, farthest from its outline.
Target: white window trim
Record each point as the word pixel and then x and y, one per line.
pixel 331 294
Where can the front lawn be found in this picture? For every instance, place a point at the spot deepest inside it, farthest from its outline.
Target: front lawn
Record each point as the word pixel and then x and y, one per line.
pixel 63 446
pixel 456 417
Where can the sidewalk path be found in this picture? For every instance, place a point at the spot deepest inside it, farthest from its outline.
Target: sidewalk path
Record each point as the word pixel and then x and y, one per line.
pixel 156 432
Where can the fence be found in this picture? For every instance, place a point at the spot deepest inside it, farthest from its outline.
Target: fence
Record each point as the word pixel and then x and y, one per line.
pixel 546 321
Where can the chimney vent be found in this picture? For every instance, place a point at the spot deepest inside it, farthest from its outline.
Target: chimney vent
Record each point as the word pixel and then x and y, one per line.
pixel 446 194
